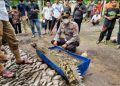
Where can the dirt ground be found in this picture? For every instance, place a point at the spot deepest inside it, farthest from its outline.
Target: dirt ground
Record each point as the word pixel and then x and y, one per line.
pixel 105 59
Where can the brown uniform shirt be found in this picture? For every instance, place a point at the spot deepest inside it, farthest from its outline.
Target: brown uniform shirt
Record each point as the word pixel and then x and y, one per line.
pixel 70 32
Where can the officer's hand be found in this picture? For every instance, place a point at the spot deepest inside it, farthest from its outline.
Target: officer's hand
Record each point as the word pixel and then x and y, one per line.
pixel 64 46
pixel 55 43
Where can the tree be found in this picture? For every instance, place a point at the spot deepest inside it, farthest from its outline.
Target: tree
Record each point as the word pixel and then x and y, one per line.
pixel 14 2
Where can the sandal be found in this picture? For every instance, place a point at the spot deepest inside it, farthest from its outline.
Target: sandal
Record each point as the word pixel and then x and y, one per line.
pixel 3 57
pixel 7 74
pixel 2 48
pixel 25 62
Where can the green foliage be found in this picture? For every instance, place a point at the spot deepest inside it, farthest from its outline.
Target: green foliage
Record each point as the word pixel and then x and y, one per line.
pixel 14 2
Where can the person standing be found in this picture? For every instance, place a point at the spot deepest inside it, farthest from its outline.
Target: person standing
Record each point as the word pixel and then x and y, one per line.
pixel 79 10
pixel 67 7
pixel 108 5
pixel 7 4
pixel 57 11
pixel 47 16
pixel 6 32
pixel 90 8
pixel 99 7
pixel 109 22
pixel 23 14
pixel 118 36
pixel 16 20
pixel 32 11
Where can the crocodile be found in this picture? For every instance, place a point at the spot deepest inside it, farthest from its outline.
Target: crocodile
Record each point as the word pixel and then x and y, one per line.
pixel 66 62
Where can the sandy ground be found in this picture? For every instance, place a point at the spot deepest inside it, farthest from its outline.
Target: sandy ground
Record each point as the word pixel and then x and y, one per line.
pixel 105 59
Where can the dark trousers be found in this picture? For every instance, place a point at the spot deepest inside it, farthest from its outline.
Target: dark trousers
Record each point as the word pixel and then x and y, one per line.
pixel 118 37
pixel 71 47
pixel 89 14
pixel 78 21
pixel 17 28
pixel 48 24
pixel 107 31
pixel 10 20
pixel 33 23
pixel 95 23
pixel 54 20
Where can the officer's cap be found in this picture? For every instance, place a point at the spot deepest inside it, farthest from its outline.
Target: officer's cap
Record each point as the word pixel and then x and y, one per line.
pixel 65 15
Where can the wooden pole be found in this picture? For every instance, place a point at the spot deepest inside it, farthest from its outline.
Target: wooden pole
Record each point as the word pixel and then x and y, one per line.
pixel 104 3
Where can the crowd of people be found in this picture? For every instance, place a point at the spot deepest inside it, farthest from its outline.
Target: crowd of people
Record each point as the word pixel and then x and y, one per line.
pixel 111 12
pixel 109 22
pixel 57 17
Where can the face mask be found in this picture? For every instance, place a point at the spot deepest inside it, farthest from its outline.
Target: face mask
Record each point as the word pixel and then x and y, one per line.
pixel 66 21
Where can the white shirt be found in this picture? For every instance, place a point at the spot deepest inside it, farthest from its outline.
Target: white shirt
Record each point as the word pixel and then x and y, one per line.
pixel 57 9
pixel 3 11
pixel 95 18
pixel 47 13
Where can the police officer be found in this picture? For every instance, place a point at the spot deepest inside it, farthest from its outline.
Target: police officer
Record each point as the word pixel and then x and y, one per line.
pixel 70 40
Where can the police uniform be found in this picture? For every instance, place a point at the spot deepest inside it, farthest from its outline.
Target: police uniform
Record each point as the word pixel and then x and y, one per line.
pixel 70 37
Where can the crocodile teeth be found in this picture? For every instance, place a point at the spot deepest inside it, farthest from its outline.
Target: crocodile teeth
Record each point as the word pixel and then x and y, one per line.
pixel 39 74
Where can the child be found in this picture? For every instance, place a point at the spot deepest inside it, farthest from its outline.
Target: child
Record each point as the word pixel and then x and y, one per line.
pixel 16 20
pixel 96 19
